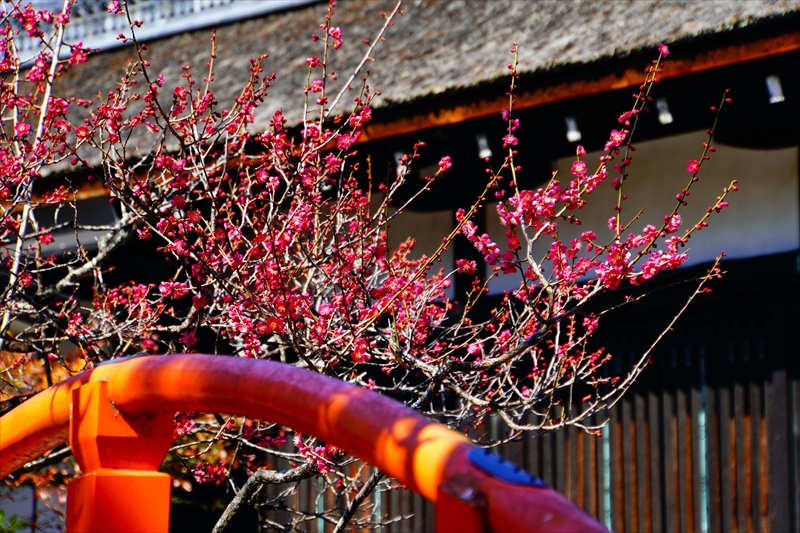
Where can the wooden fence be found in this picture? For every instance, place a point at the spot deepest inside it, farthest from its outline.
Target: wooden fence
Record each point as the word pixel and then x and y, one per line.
pixel 707 440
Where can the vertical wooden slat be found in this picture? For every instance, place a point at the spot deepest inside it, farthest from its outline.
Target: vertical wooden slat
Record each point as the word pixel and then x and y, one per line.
pixel 546 460
pixel 533 457
pixel 713 455
pixel 756 447
pixel 306 499
pixel 559 459
pixel 794 455
pixel 617 476
pixel 528 452
pixel 777 409
pixel 515 452
pixel 330 503
pixel 407 504
pixel 655 444
pixel 295 500
pixel 743 460
pixel 581 466
pixel 644 522
pixel 590 474
pixel 395 510
pixel 727 448
pixel 573 459
pixel 672 512
pixel 764 469
pixel 684 483
pixel 418 508
pixel 628 460
pixel 696 441
pixel 602 470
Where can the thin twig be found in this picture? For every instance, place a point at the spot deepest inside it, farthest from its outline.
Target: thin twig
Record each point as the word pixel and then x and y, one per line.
pixel 364 59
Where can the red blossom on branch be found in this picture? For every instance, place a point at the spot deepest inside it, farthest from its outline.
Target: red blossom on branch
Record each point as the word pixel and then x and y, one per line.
pixel 275 245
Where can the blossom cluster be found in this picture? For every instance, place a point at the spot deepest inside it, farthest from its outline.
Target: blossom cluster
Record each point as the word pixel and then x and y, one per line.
pixel 275 245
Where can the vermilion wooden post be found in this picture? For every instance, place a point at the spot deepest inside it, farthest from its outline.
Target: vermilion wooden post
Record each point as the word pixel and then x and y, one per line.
pixel 456 515
pixel 120 490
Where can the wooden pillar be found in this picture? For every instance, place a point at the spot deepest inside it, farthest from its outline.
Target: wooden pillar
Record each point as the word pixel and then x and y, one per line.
pixel 120 489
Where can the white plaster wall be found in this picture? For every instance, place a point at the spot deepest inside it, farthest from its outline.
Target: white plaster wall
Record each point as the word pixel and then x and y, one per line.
pixel 762 218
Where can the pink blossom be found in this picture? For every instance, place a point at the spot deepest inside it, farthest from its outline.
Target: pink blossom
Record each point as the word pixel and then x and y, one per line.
pixel 208 473
pixel 189 339
pixel 593 181
pixel 513 242
pixel 361 118
pixel 78 54
pixel 469 229
pixel 274 325
pixel 673 223
pixel 173 289
pixel 178 201
pixel 475 348
pixel 693 167
pixel 22 129
pixel 657 262
pixel 466 267
pixel 336 34
pixel 184 423
pixel 62 19
pixel 316 86
pixel 311 131
pixel 615 268
pixel 615 139
pixel 579 168
pixel 199 302
pixel 58 106
pixel 508 219
pixel 510 140
pixel 663 50
pixel 624 118
pixel 180 93
pixel 360 351
pixel 345 141
pixel 332 163
pixel 445 164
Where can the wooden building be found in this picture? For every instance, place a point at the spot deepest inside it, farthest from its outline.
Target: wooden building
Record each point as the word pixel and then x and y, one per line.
pixel 709 439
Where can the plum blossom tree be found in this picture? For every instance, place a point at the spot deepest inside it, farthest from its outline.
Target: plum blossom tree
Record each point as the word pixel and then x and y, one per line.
pixel 275 247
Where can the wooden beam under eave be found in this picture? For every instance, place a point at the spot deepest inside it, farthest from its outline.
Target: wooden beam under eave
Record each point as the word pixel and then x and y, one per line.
pixel 705 60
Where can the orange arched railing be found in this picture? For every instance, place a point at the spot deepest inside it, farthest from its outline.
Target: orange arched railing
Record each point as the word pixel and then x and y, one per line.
pixel 118 420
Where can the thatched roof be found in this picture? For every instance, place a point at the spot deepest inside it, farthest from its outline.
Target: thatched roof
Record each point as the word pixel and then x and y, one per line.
pixel 438 46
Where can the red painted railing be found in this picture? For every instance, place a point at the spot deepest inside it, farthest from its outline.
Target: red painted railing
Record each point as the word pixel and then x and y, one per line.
pixel 118 420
